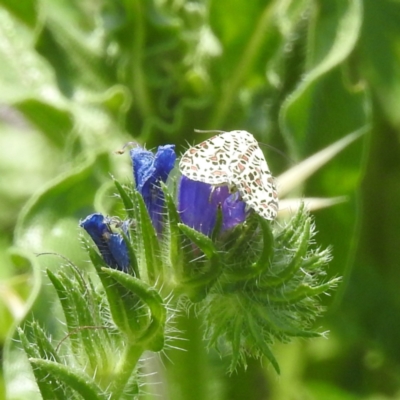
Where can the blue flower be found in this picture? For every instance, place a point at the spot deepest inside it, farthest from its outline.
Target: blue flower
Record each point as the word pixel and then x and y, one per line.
pixel 149 170
pixel 198 203
pixel 111 245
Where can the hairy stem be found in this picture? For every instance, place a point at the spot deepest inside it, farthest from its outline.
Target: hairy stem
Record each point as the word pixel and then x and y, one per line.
pixel 125 369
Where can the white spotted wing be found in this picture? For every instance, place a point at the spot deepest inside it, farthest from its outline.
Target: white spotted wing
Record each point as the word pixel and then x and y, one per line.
pixel 254 182
pixel 234 159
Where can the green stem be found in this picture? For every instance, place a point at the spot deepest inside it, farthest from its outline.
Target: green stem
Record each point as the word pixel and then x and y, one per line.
pixel 233 83
pixel 125 369
pixel 188 368
pixel 136 15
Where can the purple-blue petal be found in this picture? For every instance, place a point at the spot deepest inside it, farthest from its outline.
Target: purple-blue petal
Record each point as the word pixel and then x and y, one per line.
pixel 164 161
pixel 119 251
pixel 194 205
pixel 198 203
pixel 142 163
pixel 149 170
pixel 233 212
pixel 111 245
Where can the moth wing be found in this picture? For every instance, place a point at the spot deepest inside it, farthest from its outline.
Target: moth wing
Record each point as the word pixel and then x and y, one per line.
pixel 210 160
pixel 254 182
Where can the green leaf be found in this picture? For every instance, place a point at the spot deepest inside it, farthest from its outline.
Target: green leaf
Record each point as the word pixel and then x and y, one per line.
pixel 54 122
pixel 43 343
pixel 71 192
pixel 380 59
pixel 298 174
pixel 78 62
pixel 27 161
pixel 334 32
pixel 25 10
pixel 133 263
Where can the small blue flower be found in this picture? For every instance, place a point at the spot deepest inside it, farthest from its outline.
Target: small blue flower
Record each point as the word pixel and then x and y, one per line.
pixel 111 245
pixel 198 203
pixel 149 170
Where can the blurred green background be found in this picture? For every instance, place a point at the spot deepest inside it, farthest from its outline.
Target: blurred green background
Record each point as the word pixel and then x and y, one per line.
pixel 79 78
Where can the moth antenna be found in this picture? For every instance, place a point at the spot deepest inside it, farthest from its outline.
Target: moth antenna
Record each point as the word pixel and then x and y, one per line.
pixel 122 151
pixel 209 131
pixel 277 151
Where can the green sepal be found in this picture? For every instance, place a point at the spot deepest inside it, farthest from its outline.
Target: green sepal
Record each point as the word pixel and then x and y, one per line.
pixel 296 262
pixel 151 336
pixel 218 224
pixel 318 260
pixel 281 327
pixel 303 291
pixel 291 230
pixel 81 312
pixel 74 379
pixel 149 251
pixel 174 240
pixel 203 242
pixel 195 283
pixel 126 199
pixel 50 389
pixel 124 305
pixel 218 330
pixel 44 346
pixel 65 299
pixel 260 342
pixel 236 240
pixel 70 313
pixel 267 251
pixel 271 297
pixel 196 288
pixel 236 341
pixel 133 263
pixel 130 211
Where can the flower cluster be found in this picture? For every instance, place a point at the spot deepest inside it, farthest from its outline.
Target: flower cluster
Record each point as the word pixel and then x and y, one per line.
pixel 198 204
pixel 203 242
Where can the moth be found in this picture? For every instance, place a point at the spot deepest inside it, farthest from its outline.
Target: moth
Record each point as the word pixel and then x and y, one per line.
pixel 236 160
